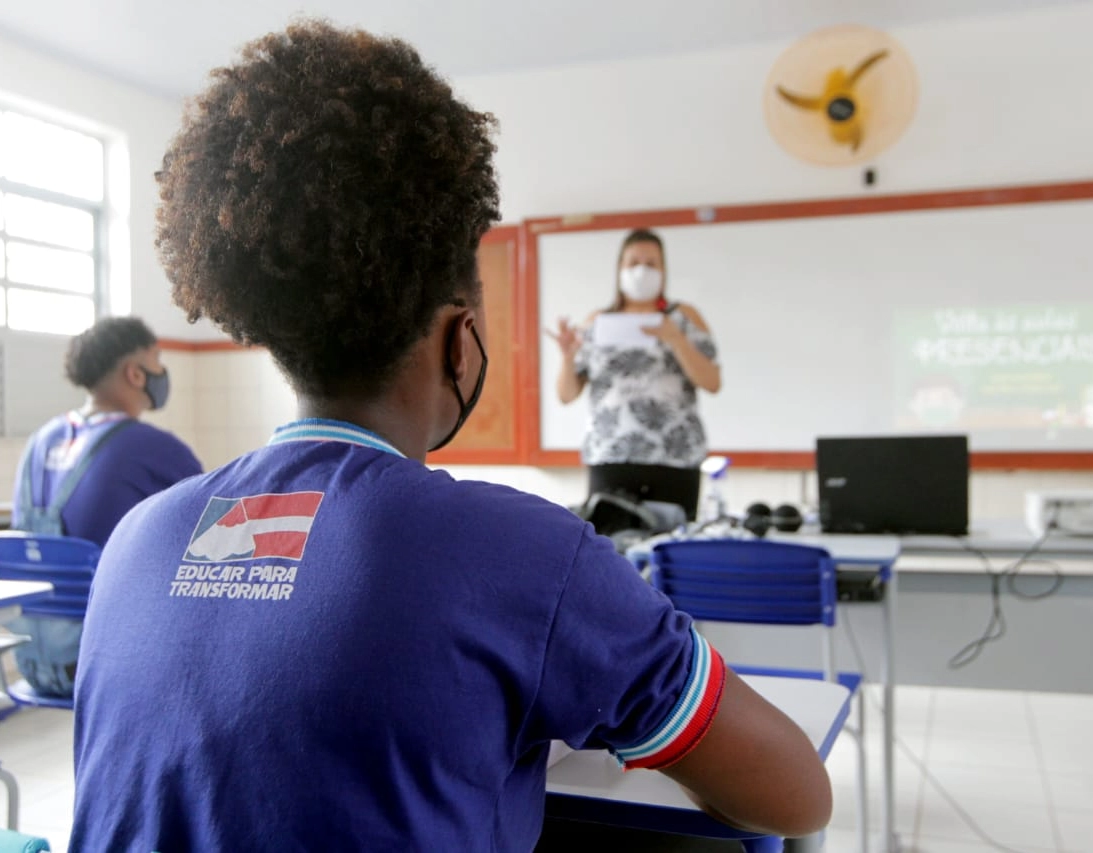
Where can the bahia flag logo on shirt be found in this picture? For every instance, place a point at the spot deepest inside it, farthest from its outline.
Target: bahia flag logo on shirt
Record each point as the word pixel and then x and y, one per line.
pixel 255 527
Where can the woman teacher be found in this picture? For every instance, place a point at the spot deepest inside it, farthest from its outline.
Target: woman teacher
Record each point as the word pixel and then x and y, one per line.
pixel 644 437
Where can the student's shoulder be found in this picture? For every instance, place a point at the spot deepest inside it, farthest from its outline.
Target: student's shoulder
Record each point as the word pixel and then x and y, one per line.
pixel 501 506
pixel 147 444
pixel 175 500
pixel 154 435
pixel 57 425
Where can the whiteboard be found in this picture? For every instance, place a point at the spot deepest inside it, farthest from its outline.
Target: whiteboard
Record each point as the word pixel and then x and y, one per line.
pixel 976 320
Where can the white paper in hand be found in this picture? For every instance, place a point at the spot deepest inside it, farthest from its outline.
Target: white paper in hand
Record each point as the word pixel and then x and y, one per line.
pixel 625 330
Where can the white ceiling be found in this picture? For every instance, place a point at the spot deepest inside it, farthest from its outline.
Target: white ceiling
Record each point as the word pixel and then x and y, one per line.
pixel 167 46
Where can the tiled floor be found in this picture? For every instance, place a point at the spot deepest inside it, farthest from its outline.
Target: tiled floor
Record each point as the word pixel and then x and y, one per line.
pixel 973 767
pixel 36 746
pixel 976 771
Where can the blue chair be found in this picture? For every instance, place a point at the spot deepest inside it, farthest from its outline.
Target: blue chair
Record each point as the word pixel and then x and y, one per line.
pixel 10 641
pixel 69 565
pixel 65 562
pixel 6 778
pixel 762 582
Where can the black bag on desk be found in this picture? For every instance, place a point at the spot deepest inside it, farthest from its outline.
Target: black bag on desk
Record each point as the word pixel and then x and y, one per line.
pixel 627 520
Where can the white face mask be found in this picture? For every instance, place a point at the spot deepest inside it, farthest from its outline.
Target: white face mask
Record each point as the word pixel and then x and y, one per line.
pixel 641 283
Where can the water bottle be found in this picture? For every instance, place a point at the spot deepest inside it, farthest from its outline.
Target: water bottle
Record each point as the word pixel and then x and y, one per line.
pixel 715 507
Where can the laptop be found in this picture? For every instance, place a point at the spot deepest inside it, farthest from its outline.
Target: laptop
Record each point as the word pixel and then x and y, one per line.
pixel 894 484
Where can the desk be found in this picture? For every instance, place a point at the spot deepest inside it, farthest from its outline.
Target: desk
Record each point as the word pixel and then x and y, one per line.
pixel 13 594
pixel 943 604
pixel 943 583
pixel 855 551
pixel 589 785
pixel 744 644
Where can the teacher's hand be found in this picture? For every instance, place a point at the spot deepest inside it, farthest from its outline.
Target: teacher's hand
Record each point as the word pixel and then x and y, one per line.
pixel 568 338
pixel 668 332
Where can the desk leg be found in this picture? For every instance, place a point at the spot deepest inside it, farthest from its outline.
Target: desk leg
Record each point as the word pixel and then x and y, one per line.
pixel 13 798
pixel 890 843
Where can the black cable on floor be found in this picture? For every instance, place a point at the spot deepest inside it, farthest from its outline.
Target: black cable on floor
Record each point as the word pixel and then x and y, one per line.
pixel 961 812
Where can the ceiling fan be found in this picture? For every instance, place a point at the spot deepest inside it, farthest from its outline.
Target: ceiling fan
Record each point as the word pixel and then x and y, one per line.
pixel 840 95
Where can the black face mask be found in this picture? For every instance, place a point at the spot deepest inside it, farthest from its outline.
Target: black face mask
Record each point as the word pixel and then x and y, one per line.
pixel 157 386
pixel 465 408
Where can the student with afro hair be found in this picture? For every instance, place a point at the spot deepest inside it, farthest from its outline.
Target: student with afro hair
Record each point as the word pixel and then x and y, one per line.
pixel 324 644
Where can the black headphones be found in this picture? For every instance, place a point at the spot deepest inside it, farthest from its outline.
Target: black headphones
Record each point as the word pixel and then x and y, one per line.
pixel 760 518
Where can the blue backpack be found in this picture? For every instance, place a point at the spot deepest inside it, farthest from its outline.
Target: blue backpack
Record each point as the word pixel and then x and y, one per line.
pixel 47 519
pixel 48 661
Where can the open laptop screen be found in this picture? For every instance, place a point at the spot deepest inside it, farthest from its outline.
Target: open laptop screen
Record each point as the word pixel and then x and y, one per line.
pixel 894 484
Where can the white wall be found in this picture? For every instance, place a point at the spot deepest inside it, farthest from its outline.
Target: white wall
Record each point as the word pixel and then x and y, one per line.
pixel 1002 100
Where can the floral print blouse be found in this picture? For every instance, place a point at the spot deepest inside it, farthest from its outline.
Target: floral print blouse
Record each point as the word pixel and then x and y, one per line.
pixel 644 409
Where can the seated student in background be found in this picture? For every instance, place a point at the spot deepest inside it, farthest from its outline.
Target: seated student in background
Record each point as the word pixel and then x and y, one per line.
pixel 644 435
pixel 84 469
pixel 324 643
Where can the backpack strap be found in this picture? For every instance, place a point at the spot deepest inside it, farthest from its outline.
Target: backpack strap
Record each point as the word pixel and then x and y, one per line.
pixel 26 494
pixel 72 479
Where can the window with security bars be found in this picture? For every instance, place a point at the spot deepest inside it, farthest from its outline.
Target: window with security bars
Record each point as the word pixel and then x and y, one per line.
pixel 52 202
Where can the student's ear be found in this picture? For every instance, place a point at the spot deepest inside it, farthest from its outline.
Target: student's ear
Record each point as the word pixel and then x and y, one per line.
pixel 460 344
pixel 132 373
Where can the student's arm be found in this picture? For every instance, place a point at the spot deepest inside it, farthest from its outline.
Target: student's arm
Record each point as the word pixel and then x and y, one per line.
pixel 754 768
pixel 625 671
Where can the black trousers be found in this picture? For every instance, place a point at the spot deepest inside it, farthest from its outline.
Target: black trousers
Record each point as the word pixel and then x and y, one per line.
pixel 649 483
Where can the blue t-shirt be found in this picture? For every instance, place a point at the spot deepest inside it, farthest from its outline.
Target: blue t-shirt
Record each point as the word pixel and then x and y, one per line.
pixel 325 645
pixel 137 462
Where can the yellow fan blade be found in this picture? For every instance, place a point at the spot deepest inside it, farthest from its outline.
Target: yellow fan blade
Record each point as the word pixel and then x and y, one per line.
pixel 847 133
pixel 864 66
pixel 856 135
pixel 802 101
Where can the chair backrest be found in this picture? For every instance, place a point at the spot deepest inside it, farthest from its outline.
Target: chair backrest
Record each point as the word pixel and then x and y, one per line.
pixel 749 580
pixel 64 561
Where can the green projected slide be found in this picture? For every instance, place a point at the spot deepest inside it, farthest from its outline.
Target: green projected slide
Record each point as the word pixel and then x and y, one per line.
pixel 1007 367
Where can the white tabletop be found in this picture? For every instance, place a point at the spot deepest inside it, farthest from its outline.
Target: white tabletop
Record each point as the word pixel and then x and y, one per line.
pixel 817 707
pixel 1001 542
pixel 852 547
pixel 865 547
pixel 17 592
